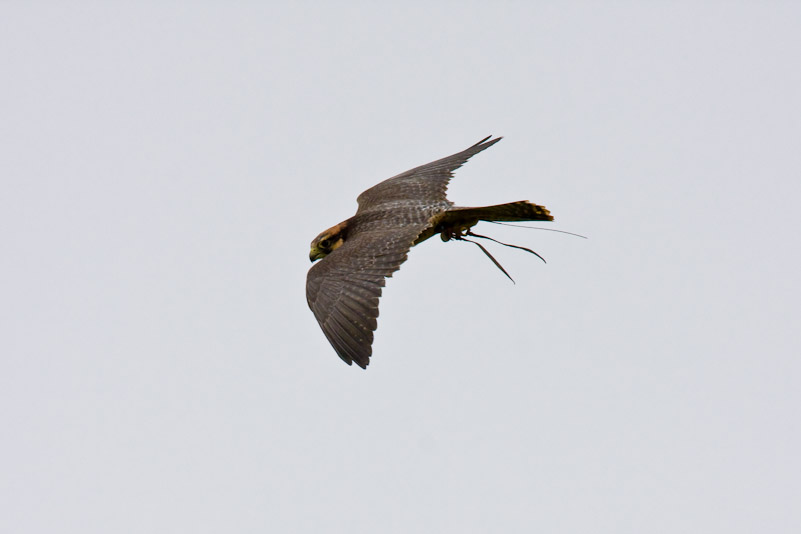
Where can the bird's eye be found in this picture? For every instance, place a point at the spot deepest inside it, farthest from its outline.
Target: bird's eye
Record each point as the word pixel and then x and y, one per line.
pixel 325 243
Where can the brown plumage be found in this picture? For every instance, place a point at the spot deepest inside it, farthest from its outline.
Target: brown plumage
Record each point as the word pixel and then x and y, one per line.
pixel 360 253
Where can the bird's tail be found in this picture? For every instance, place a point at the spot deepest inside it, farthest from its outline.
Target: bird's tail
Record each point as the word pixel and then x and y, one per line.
pixel 512 211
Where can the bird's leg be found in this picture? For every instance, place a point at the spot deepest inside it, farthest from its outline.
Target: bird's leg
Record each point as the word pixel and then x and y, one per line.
pixel 455 232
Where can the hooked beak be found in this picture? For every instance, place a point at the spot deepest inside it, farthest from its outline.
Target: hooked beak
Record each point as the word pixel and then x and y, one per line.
pixel 315 255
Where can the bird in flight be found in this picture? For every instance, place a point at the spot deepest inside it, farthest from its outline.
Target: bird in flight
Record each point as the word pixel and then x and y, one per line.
pixel 357 255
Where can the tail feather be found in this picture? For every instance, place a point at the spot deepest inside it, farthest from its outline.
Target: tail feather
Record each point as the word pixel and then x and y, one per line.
pixel 455 220
pixel 512 211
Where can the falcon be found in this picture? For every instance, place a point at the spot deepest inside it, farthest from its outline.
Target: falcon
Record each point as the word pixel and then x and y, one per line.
pixel 359 254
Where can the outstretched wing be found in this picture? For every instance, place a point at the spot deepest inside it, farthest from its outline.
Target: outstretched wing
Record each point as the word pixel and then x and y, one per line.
pixel 428 182
pixel 343 288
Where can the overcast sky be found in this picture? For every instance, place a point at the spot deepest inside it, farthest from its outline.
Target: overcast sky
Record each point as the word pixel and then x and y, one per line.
pixel 164 169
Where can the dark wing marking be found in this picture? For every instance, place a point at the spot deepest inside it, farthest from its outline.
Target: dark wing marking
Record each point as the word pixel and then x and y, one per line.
pixel 428 182
pixel 343 288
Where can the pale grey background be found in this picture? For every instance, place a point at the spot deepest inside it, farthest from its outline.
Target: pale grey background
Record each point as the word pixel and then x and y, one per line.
pixel 165 167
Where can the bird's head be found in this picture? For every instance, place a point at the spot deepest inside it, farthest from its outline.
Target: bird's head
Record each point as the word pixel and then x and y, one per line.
pixel 328 241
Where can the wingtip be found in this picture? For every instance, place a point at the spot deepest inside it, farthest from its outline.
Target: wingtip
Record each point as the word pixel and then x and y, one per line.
pixel 485 143
pixel 486 139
